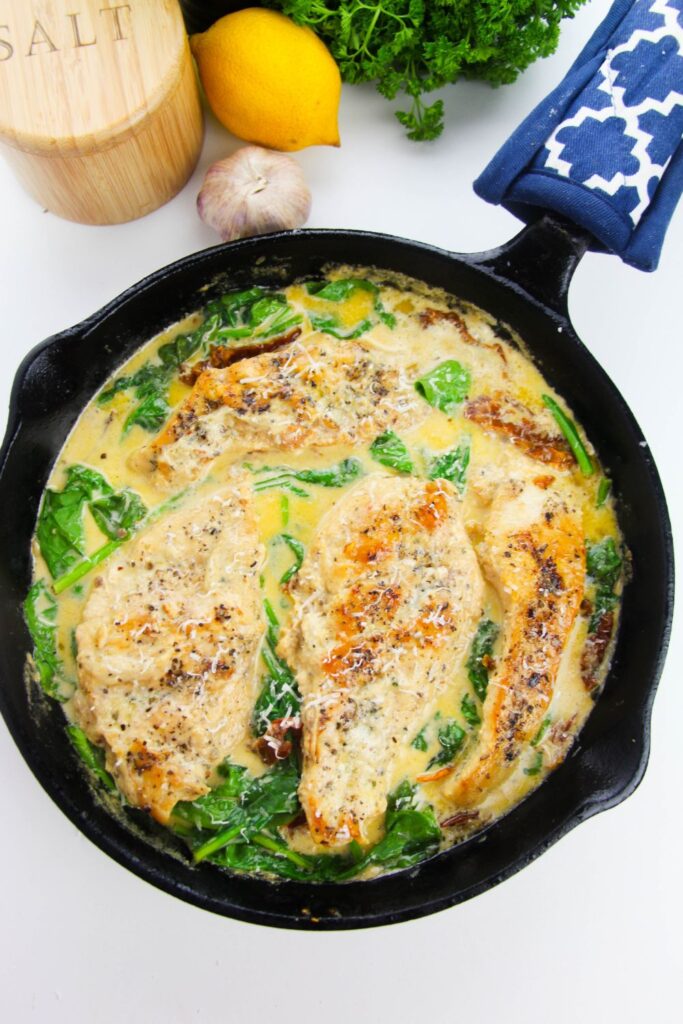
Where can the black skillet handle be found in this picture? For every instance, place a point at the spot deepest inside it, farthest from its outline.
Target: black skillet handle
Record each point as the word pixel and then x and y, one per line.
pixel 540 260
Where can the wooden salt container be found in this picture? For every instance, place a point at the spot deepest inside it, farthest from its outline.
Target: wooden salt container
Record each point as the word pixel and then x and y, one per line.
pixel 100 115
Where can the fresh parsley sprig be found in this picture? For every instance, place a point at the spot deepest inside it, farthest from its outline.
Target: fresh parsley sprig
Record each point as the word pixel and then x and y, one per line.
pixel 414 47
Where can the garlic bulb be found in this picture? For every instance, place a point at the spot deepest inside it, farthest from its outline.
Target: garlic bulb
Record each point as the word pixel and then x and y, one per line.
pixel 252 192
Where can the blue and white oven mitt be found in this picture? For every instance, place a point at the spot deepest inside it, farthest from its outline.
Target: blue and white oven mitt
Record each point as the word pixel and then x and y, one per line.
pixel 604 149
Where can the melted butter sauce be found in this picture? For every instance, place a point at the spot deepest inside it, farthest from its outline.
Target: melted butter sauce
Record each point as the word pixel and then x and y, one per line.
pixel 98 441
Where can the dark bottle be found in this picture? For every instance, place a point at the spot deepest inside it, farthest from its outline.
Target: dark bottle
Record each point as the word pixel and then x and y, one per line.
pixel 200 14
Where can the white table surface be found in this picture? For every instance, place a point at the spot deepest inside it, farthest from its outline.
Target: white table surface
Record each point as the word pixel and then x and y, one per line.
pixel 591 931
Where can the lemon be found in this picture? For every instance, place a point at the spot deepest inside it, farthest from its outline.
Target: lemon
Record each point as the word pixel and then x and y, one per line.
pixel 269 81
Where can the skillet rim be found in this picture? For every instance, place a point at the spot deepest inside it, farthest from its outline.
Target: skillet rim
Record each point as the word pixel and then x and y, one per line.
pixel 490 265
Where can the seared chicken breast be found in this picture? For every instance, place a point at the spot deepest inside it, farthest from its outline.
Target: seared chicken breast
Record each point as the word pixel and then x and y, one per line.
pixel 533 554
pixel 325 392
pixel 532 433
pixel 167 649
pixel 384 606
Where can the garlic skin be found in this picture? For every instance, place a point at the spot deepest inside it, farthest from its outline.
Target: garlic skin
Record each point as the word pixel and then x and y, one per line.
pixel 253 192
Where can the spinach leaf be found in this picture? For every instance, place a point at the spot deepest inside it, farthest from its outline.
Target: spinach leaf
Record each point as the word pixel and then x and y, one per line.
pixel 336 476
pixel 385 316
pixel 571 436
pixel 412 833
pixel 330 325
pixel 60 530
pixel 60 521
pixel 603 565
pixel 151 413
pixel 120 384
pixel 603 562
pixel 340 291
pixel 265 307
pixel 420 741
pixel 452 466
pixel 269 854
pixel 389 450
pixel 273 622
pixel 253 313
pixel 451 738
pixel 480 653
pixel 298 550
pixel 232 309
pixel 470 711
pixel 40 612
pixel 82 568
pixel 117 514
pixel 604 488
pixel 92 756
pixel 446 386
pixel 542 730
pixel 536 765
pixel 323 867
pixel 174 353
pixel 284 483
pixel 147 378
pixel 279 696
pixel 243 807
pixel 210 812
pixel 605 601
pixel 279 324
pixel 149 385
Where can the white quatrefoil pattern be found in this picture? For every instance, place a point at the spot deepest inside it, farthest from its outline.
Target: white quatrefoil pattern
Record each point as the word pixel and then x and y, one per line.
pixel 620 133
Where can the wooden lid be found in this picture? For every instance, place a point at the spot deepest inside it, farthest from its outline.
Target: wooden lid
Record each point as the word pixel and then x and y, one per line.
pixel 79 75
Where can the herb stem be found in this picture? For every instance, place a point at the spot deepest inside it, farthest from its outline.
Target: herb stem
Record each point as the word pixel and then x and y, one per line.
pixel 298 550
pixel 84 567
pixel 604 488
pixel 571 435
pixel 270 615
pixel 284 482
pixel 280 848
pixel 216 843
pixel 92 756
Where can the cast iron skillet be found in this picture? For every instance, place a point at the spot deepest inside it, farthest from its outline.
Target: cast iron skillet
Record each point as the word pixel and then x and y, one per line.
pixel 524 284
